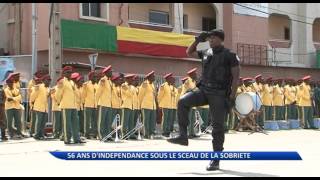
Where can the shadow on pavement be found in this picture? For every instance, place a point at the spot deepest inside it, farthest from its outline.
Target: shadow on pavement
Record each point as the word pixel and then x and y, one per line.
pixel 231 172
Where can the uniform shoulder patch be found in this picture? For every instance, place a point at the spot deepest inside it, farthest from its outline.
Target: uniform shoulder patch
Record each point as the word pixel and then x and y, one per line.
pixel 209 52
pixel 233 55
pixel 237 57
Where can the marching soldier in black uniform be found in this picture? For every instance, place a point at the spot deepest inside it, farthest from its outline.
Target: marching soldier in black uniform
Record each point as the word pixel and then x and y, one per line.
pixel 217 87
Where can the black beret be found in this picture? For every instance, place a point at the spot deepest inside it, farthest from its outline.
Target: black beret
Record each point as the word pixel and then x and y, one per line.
pixel 217 32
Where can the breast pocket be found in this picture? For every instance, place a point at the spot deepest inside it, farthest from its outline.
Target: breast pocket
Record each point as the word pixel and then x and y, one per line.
pixel 205 63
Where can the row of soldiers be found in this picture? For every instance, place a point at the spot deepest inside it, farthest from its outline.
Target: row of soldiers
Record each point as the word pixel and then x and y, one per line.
pixel 90 108
pixel 282 99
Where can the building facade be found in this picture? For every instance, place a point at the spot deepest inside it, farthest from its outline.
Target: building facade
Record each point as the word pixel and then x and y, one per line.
pixel 266 36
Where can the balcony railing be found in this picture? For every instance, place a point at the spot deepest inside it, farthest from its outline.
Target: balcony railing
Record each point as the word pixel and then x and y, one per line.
pixel 251 54
pixel 150 26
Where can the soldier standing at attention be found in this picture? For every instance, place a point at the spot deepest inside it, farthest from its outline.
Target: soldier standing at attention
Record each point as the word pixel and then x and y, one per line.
pixel 12 107
pixel 127 117
pixel 90 106
pixel 290 100
pixel 67 98
pixel 104 98
pixel 31 114
pixel 305 103
pixel 266 98
pixel 166 98
pixel 39 96
pixel 116 99
pixel 147 99
pixel 278 100
pixel 78 81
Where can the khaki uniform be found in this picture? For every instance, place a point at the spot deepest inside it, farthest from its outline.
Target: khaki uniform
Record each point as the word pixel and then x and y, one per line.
pixel 278 103
pixel 104 100
pixel 39 96
pixel 167 102
pixel 116 101
pixel 90 109
pixel 67 98
pixel 13 109
pixel 305 104
pixel 147 99
pixel 290 98
pixel 267 98
pixel 127 117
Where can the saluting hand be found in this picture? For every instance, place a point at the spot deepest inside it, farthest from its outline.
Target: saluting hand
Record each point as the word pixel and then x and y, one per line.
pixel 202 37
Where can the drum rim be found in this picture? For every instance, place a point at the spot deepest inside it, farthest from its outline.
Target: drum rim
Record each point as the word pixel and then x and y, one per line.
pixel 249 94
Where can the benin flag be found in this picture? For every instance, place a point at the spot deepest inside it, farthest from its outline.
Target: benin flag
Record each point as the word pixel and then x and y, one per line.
pixel 104 37
pixel 154 43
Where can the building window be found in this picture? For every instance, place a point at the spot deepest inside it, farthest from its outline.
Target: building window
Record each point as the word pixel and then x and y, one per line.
pixel 185 21
pixel 94 11
pixel 208 24
pixel 159 17
pixel 91 9
pixel 286 33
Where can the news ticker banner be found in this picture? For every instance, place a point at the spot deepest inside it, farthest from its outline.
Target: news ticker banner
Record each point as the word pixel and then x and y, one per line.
pixel 170 155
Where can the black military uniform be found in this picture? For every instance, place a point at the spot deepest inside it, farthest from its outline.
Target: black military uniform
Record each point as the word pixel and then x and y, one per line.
pixel 214 89
pixel 2 114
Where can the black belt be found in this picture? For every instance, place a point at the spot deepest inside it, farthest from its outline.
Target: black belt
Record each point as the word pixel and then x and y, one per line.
pixel 214 86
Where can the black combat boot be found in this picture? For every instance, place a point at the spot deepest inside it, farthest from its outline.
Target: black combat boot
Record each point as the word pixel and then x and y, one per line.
pixel 213 166
pixel 179 140
pixel 182 139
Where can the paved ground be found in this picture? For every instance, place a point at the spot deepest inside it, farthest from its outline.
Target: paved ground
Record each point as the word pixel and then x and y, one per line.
pixel 31 158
